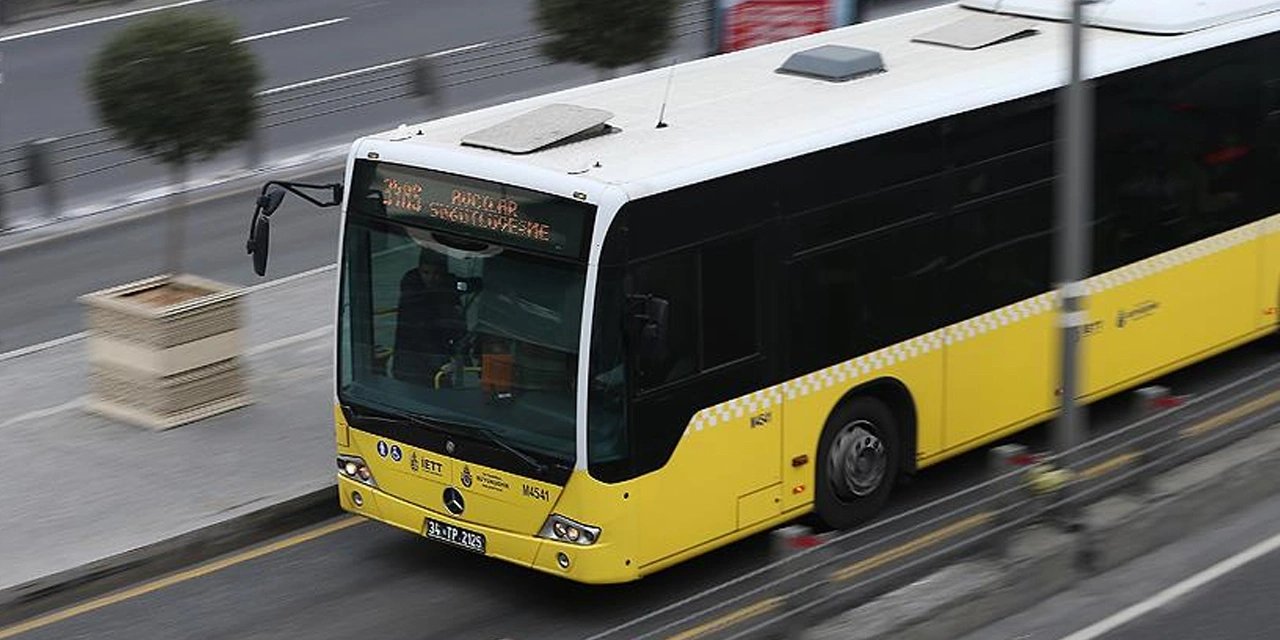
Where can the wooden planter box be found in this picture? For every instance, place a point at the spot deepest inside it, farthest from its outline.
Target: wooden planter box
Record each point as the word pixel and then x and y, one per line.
pixel 165 351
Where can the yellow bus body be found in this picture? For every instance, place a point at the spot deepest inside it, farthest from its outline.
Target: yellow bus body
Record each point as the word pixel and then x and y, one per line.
pixel 748 464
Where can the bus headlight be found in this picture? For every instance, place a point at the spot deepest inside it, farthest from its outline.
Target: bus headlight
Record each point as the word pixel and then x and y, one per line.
pixel 355 468
pixel 563 529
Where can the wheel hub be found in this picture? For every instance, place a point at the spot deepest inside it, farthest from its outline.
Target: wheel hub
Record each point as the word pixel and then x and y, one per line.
pixel 857 461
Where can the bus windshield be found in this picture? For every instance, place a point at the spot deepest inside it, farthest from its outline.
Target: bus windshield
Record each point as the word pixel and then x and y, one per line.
pixel 466 333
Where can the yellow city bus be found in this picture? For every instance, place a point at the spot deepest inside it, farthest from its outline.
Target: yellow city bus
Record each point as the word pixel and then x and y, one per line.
pixel 579 338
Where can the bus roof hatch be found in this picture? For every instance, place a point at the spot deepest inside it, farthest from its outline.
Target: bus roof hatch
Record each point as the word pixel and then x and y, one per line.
pixel 543 127
pixel 833 62
pixel 978 31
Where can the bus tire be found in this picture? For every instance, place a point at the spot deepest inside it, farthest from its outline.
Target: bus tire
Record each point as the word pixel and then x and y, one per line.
pixel 858 462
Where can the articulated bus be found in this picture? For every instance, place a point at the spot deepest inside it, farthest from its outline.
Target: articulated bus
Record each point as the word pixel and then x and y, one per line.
pixel 604 330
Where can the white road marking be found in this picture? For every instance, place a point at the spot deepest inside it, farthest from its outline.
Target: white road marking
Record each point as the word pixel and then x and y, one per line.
pixel 85 23
pixel 43 413
pixel 49 344
pixel 287 279
pixel 301 27
pixel 289 341
pixel 1178 590
pixel 376 67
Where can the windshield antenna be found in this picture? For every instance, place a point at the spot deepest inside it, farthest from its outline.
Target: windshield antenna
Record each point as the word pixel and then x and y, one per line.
pixel 663 111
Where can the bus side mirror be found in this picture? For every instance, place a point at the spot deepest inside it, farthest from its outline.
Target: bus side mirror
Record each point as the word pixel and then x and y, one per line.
pixel 259 244
pixel 268 201
pixel 648 328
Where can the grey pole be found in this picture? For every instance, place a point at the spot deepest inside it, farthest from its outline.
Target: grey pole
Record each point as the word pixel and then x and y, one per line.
pixel 2 223
pixel 1075 134
pixel 253 147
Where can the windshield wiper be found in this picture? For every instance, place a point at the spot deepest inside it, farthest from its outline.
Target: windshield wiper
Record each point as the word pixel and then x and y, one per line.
pixel 398 416
pixel 395 416
pixel 496 439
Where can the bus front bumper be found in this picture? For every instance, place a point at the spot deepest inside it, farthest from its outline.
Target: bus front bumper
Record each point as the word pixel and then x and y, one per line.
pixel 598 563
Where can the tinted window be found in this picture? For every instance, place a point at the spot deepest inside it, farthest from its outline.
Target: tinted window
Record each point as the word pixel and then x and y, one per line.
pixel 1183 151
pixel 608 444
pixel 1001 249
pixel 864 294
pixel 672 278
pixel 995 131
pixel 834 176
pixel 840 221
pixel 729 309
pixel 1001 204
pixel 712 314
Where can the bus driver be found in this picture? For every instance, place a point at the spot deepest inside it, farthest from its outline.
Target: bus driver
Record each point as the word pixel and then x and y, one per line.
pixel 429 321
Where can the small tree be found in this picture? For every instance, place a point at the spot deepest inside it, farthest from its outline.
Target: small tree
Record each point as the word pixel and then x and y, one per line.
pixel 606 35
pixel 177 85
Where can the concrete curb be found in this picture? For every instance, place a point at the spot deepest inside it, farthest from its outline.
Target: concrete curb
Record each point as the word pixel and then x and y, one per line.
pixel 1043 560
pixel 61 589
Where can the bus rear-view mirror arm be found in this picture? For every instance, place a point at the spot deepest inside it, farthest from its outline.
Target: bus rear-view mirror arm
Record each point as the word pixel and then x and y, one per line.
pixel 269 200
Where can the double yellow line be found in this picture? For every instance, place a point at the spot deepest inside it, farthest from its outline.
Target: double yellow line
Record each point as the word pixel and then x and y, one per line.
pixel 182 576
pixel 1186 433
pixel 1253 406
pixel 862 566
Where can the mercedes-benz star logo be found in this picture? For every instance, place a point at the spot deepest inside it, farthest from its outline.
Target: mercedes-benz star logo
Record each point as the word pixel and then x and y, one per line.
pixel 453 501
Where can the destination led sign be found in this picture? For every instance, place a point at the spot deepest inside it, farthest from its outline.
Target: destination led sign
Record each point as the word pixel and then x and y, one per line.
pixel 477 209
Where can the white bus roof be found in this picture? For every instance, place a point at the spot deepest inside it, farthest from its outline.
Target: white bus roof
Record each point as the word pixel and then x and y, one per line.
pixel 731 112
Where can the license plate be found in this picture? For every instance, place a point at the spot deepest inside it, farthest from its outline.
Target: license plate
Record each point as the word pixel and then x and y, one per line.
pixel 454 535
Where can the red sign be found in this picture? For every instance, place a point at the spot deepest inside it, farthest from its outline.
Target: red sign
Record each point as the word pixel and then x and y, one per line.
pixel 754 22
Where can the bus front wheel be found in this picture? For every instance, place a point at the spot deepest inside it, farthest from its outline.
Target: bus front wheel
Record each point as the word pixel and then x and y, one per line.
pixel 858 462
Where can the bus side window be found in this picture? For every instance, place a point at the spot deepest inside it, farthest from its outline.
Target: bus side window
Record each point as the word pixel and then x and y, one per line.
pixel 671 277
pixel 1269 137
pixel 1183 152
pixel 729 309
pixel 1001 248
pixel 712 311
pixel 861 295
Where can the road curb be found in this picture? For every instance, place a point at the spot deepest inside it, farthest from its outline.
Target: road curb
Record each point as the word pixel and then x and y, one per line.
pixel 1043 560
pixel 64 588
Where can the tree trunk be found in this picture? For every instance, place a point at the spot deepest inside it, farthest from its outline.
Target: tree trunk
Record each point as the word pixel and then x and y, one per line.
pixel 177 218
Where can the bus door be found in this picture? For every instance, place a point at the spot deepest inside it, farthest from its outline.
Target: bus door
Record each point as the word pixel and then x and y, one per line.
pixel 699 417
pixel 1000 355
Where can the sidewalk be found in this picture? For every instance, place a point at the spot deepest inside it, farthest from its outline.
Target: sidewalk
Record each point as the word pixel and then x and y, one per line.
pixel 82 488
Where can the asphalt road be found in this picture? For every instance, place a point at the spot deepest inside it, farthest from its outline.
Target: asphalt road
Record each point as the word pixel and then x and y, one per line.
pixel 45 73
pixel 369 580
pixel 40 282
pixel 1178 592
pixel 44 96
pixel 1240 605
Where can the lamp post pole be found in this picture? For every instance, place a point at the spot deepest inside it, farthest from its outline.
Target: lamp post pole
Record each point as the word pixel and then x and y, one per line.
pixel 1076 136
